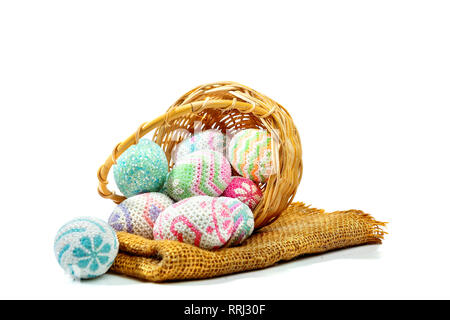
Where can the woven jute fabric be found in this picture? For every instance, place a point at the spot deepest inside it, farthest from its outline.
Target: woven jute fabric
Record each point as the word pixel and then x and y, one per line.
pixel 299 230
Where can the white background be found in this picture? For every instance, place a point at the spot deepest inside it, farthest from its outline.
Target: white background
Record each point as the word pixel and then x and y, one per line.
pixel 367 83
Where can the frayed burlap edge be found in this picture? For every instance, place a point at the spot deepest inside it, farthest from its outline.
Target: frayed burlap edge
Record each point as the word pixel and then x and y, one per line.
pixel 300 230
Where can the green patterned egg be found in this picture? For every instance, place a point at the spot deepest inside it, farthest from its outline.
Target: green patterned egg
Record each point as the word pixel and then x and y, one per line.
pixel 250 154
pixel 202 173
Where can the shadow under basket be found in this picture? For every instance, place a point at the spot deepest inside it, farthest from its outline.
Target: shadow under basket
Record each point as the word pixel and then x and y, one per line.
pixel 282 230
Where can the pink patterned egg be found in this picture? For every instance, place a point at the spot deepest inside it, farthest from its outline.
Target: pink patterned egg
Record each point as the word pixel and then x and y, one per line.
pixel 206 222
pixel 244 190
pixel 243 221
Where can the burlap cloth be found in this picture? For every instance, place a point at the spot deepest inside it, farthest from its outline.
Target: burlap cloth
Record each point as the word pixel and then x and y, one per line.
pixel 298 231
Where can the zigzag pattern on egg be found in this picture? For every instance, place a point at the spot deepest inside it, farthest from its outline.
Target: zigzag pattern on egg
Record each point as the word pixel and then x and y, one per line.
pixel 203 172
pixel 250 154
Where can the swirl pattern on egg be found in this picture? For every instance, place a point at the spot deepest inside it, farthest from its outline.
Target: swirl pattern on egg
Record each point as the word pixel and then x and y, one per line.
pixel 205 222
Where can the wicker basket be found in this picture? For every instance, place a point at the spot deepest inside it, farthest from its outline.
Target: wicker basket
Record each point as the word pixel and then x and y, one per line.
pixel 229 107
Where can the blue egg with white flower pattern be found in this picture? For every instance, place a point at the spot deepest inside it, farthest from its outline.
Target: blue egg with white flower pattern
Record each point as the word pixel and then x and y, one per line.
pixel 86 247
pixel 141 168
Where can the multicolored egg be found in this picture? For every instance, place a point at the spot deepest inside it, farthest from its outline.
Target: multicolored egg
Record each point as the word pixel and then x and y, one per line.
pixel 203 172
pixel 250 154
pixel 141 168
pixel 243 221
pixel 244 190
pixel 138 214
pixel 207 140
pixel 206 222
pixel 86 247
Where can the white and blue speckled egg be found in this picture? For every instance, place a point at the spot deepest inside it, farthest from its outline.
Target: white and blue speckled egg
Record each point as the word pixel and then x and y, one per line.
pixel 141 168
pixel 86 247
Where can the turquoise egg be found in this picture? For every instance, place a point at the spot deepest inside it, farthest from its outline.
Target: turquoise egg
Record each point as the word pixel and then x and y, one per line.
pixel 141 168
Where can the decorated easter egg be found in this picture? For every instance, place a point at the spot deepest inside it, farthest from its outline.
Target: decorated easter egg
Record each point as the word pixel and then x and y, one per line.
pixel 206 222
pixel 138 214
pixel 203 172
pixel 243 220
pixel 86 247
pixel 244 190
pixel 250 154
pixel 141 168
pixel 207 140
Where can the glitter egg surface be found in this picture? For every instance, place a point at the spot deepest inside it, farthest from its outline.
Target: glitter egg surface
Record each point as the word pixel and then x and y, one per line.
pixel 141 168
pixel 203 172
pixel 86 247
